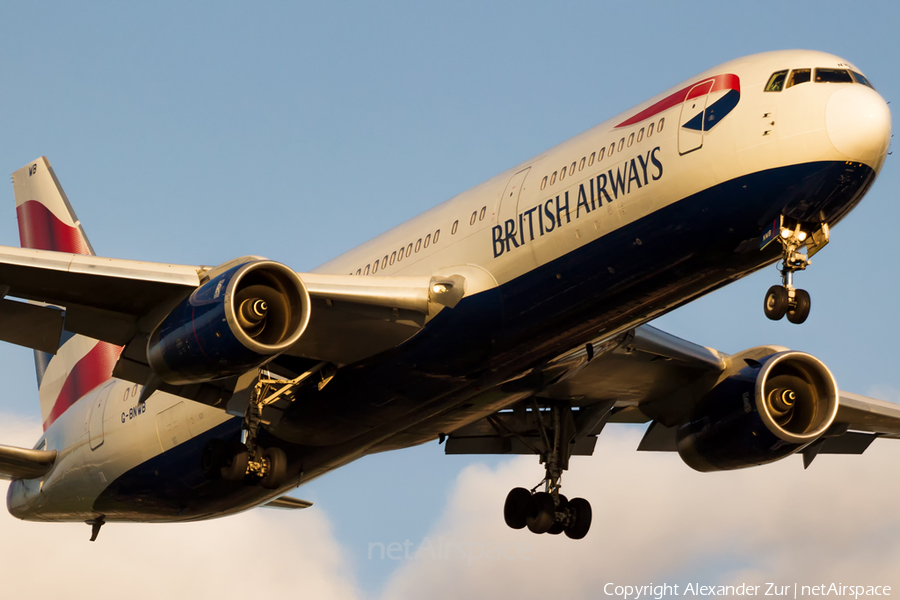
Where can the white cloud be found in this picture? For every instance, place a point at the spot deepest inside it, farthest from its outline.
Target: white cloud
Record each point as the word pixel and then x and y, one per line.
pixel 257 554
pixel 656 520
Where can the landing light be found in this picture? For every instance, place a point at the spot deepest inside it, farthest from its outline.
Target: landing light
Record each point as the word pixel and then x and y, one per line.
pixel 441 288
pixel 801 236
pixel 786 233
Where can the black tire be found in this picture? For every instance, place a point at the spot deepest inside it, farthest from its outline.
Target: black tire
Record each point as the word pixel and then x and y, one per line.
pixel 542 514
pixel 236 466
pixel 800 311
pixel 213 458
pixel 776 302
pixel 558 527
pixel 516 507
pixel 277 468
pixel 582 522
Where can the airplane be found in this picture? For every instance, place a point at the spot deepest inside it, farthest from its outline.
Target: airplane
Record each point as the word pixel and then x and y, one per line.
pixel 511 319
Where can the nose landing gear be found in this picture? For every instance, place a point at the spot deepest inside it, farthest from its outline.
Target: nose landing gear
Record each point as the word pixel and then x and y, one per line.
pixel 786 300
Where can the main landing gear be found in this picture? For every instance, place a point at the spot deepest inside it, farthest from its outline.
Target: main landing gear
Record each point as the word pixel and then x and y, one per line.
pixel 548 511
pixel 246 460
pixel 786 300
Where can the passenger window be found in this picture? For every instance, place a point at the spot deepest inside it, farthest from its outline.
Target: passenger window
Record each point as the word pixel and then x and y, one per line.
pixel 474 216
pixel 456 224
pixel 366 272
pixel 418 244
pixel 408 250
pixel 776 81
pixel 591 159
pixel 384 262
pixel 601 154
pixel 482 213
pixel 400 254
pixel 833 76
pixel 562 174
pixel 437 234
pixel 374 267
pixel 572 169
pixel 612 148
pixel 798 76
pixel 640 134
pixel 630 140
pixel 393 256
pixel 427 240
pixel 359 271
pixel 650 129
pixel 581 165
pixel 544 182
pixel 553 178
pixel 661 123
pixel 860 78
pixel 621 144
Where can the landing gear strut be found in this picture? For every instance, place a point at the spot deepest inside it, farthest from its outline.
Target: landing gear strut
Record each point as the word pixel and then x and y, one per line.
pixel 548 511
pixel 247 460
pixel 786 300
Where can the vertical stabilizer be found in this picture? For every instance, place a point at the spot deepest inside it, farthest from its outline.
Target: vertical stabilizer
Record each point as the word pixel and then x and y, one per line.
pixel 47 222
pixel 46 219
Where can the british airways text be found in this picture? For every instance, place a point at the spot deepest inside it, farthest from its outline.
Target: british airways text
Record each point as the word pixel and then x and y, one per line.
pixel 556 212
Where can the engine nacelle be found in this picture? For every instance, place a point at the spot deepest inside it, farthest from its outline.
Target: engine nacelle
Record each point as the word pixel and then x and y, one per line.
pixel 236 321
pixel 760 414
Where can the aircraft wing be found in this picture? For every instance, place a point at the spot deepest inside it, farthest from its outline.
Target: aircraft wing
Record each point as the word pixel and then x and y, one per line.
pixel 647 375
pixel 288 503
pixel 122 302
pixel 25 463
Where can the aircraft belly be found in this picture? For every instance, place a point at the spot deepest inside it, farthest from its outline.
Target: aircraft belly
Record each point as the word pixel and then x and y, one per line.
pixel 628 277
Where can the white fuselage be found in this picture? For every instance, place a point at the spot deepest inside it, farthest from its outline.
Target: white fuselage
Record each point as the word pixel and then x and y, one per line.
pixel 529 216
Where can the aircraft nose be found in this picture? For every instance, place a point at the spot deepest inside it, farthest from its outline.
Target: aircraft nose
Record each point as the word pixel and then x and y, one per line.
pixel 858 122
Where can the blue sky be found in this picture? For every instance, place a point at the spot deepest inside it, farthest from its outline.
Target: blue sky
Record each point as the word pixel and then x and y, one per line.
pixel 195 133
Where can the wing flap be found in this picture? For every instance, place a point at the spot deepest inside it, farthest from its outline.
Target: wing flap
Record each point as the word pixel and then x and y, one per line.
pixel 38 327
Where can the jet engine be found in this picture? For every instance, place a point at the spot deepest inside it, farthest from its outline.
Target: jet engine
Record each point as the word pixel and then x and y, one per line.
pixel 763 413
pixel 238 320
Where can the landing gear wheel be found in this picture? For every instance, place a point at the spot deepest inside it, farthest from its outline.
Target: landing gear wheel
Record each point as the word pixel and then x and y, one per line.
pixel 276 470
pixel 581 524
pixel 800 310
pixel 559 526
pixel 776 303
pixel 542 515
pixel 213 458
pixel 236 467
pixel 515 509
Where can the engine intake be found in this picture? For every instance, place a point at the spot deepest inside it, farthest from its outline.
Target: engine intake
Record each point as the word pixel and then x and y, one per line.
pixel 236 321
pixel 761 414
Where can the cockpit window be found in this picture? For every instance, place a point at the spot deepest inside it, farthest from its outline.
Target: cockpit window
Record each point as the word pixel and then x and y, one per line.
pixel 776 81
pixel 798 76
pixel 860 78
pixel 833 76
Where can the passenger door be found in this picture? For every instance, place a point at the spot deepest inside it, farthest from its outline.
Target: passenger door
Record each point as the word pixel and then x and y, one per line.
pixel 508 206
pixel 691 125
pixel 97 410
